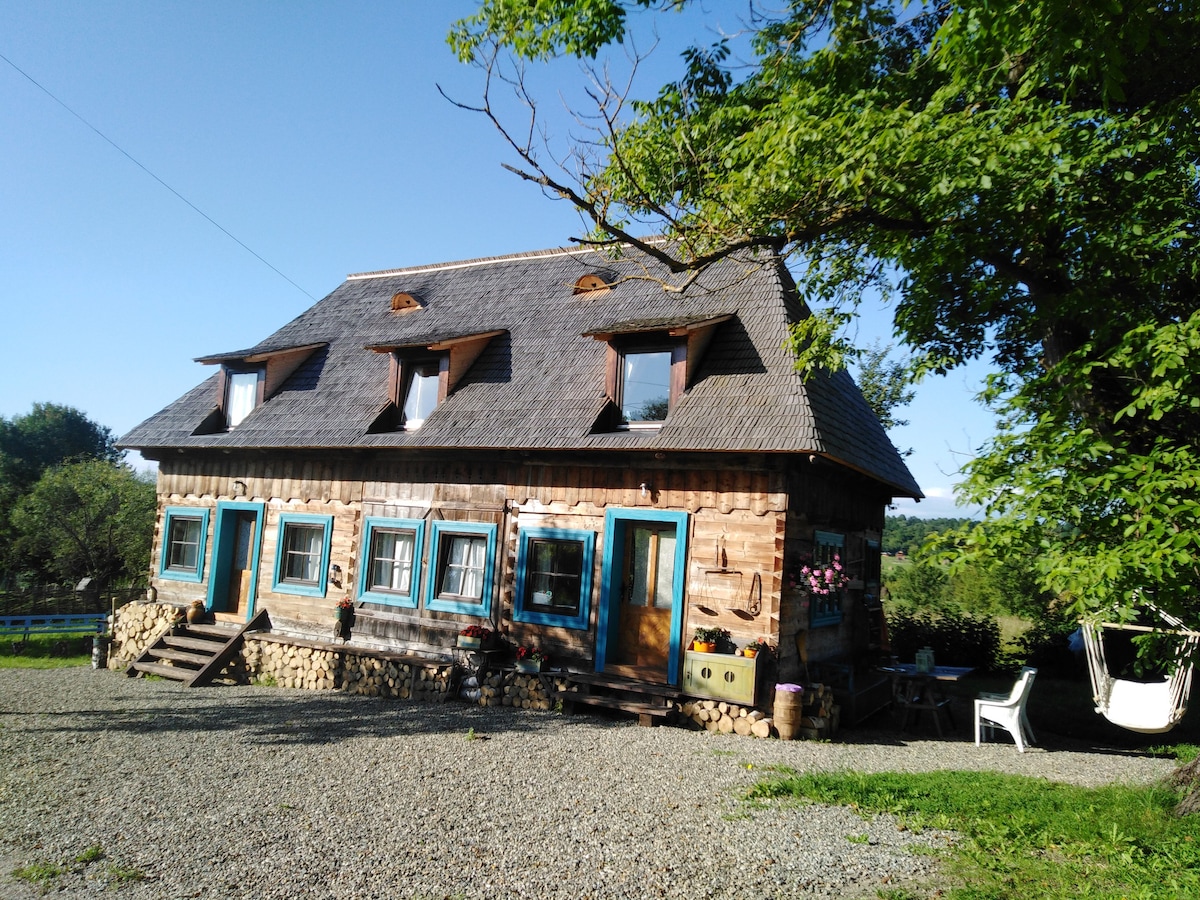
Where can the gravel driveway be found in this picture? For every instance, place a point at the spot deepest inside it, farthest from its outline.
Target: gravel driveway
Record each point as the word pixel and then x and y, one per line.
pixel 241 792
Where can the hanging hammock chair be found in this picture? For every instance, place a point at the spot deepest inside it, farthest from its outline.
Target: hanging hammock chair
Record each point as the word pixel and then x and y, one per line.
pixel 1150 707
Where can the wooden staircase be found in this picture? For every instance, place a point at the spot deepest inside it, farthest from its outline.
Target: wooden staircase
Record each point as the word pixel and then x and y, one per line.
pixel 652 703
pixel 195 654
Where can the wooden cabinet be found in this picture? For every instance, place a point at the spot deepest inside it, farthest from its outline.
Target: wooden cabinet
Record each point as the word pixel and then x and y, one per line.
pixel 720 676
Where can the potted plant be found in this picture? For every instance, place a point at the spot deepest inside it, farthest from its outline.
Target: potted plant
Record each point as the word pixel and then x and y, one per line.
pixel 473 637
pixel 344 610
pixel 705 640
pixel 755 647
pixel 530 659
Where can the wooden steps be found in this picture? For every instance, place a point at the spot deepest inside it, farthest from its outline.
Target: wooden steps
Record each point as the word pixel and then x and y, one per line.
pixel 652 703
pixel 195 654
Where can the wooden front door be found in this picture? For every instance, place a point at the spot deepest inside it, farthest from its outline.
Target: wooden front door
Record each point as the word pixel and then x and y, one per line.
pixel 644 635
pixel 241 567
pixel 237 543
pixel 642 594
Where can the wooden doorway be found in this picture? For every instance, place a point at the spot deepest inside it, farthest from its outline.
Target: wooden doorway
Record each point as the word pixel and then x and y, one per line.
pixel 642 594
pixel 241 568
pixel 237 541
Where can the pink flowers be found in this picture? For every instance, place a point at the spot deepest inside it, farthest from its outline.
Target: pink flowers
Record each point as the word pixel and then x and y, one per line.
pixel 825 579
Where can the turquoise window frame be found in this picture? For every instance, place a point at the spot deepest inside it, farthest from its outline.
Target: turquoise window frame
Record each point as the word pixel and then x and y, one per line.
pixel 827 611
pixel 278 584
pixel 438 531
pixel 615 522
pixel 391 598
pixel 578 621
pixel 195 575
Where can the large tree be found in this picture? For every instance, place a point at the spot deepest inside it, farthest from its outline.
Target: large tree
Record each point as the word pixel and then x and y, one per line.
pixel 47 436
pixel 1018 180
pixel 88 519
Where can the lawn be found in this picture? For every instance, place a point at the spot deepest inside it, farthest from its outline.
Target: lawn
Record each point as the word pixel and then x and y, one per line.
pixel 46 652
pixel 1024 837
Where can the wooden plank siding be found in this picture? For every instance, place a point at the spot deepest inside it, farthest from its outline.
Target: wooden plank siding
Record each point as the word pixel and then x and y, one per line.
pixel 749 520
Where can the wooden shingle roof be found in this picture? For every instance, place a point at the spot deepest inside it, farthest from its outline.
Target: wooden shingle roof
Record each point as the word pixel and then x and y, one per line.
pixel 539 383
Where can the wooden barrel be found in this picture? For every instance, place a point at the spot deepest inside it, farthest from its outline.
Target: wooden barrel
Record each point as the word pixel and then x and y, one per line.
pixel 788 705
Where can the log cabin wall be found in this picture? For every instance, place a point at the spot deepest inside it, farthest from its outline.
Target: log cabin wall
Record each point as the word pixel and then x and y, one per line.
pixel 825 498
pixel 748 520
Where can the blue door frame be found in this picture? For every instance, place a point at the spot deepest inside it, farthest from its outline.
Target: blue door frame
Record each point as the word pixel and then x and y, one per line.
pixel 224 538
pixel 612 574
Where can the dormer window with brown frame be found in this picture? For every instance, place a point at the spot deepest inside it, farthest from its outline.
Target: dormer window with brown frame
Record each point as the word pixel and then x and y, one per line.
pixel 422 374
pixel 248 378
pixel 650 364
pixel 421 389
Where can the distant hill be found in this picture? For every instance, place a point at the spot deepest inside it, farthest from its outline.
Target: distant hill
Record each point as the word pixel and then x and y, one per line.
pixel 908 532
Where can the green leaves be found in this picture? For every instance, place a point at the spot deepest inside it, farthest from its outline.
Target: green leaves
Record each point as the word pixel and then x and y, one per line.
pixel 1019 179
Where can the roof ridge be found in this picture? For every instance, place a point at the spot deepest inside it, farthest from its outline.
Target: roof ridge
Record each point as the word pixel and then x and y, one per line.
pixel 548 253
pixel 470 263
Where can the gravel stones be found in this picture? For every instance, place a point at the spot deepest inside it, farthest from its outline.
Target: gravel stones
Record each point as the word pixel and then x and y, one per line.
pixel 250 792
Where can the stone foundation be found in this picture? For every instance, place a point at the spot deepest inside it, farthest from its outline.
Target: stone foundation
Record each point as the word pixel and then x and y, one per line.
pixel 301 664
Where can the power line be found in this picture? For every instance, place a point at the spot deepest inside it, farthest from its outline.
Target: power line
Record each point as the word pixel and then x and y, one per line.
pixel 129 157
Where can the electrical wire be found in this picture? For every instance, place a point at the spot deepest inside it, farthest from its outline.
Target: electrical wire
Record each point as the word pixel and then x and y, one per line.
pixel 137 163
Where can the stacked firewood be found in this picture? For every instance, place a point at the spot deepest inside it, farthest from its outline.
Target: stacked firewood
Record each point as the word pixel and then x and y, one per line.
pixel 516 689
pixel 372 676
pixel 819 714
pixel 728 718
pixel 136 627
pixel 291 666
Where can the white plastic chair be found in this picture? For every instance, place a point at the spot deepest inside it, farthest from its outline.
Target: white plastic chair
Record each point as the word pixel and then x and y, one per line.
pixel 1007 711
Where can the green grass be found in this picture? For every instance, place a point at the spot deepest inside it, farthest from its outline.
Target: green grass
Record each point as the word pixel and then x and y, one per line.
pixel 1026 837
pixel 43 874
pixel 46 652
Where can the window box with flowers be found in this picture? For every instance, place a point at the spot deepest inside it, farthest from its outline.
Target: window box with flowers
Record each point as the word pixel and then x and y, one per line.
pixel 474 637
pixel 530 659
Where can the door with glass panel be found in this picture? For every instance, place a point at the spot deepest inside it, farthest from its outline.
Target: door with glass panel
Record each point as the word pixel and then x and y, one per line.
pixel 241 567
pixel 237 543
pixel 642 601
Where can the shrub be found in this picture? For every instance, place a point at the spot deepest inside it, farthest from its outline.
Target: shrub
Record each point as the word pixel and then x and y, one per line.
pixel 957 639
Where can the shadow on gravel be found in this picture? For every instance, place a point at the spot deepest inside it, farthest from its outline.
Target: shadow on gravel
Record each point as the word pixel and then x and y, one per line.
pixel 273 716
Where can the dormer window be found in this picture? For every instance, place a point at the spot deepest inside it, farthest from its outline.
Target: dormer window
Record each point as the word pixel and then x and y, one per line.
pixel 241 395
pixel 644 387
pixel 248 378
pixel 650 363
pixel 423 373
pixel 421 392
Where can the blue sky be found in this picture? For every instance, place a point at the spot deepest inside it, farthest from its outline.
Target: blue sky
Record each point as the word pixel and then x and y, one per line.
pixel 314 133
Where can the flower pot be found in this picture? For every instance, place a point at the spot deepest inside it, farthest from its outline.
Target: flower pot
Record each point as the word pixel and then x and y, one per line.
pixel 469 643
pixel 195 614
pixel 704 646
pixel 749 653
pixel 343 613
pixel 529 666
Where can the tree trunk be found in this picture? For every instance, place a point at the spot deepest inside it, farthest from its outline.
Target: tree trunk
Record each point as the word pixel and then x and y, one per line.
pixel 1187 779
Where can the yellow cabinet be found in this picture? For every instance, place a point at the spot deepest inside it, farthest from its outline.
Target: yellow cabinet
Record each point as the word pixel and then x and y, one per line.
pixel 720 676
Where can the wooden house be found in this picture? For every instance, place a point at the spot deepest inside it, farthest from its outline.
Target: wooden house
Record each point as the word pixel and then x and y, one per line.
pixel 547 444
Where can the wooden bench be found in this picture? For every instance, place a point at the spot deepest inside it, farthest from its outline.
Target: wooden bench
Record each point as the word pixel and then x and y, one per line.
pixel 66 624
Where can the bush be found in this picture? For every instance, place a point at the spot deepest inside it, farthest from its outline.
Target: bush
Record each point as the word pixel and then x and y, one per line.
pixel 957 639
pixel 1045 645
